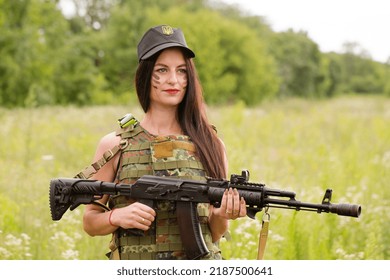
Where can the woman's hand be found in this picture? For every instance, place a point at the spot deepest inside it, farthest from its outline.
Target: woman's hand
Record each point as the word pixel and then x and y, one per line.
pixel 135 215
pixel 232 206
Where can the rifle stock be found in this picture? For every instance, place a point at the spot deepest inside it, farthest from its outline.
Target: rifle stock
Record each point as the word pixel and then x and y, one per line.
pixel 67 193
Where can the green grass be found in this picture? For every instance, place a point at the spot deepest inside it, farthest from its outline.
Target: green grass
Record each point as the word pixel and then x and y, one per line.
pixel 297 145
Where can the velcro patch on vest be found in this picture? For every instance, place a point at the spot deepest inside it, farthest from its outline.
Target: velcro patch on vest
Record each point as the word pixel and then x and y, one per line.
pixel 163 150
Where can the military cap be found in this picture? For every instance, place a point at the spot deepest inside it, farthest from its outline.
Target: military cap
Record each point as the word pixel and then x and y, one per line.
pixel 159 38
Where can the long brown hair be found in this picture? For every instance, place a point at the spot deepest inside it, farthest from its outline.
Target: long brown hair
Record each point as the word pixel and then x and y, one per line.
pixel 191 115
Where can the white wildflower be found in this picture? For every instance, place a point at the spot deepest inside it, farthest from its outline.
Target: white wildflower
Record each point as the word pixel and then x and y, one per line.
pixel 4 253
pixel 11 240
pixel 70 254
pixel 276 237
pixel 47 157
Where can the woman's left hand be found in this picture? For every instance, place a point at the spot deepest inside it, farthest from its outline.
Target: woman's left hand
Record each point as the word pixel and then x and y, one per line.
pixel 232 206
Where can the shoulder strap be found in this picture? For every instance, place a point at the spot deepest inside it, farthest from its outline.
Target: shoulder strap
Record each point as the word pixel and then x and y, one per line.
pixel 127 122
pixel 87 172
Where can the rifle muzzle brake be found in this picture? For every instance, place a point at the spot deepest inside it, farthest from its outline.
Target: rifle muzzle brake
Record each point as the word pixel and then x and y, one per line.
pixel 351 210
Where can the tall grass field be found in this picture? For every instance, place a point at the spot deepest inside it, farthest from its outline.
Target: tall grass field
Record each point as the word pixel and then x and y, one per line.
pixel 296 145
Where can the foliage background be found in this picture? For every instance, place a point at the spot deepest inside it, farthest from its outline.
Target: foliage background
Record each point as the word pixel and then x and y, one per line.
pixel 90 57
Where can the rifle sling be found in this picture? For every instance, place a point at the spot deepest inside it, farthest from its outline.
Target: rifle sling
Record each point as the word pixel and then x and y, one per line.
pixel 263 236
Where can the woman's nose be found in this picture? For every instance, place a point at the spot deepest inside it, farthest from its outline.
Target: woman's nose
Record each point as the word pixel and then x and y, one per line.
pixel 172 78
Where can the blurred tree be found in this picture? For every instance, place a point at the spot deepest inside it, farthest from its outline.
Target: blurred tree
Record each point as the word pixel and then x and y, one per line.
pixel 334 74
pixel 42 62
pixel 93 13
pixel 90 57
pixel 360 73
pixel 299 63
pixel 26 41
pixel 117 41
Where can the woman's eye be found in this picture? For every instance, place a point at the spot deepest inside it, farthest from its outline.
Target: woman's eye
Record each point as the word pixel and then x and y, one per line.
pixel 161 70
pixel 183 70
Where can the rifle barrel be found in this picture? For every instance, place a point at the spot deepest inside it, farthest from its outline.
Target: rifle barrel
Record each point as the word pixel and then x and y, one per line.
pixel 351 210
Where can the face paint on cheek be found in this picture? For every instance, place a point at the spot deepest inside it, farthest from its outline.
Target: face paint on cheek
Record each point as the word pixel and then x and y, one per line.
pixel 155 80
pixel 183 82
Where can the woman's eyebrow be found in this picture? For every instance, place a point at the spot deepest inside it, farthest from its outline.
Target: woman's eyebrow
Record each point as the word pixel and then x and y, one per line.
pixel 160 64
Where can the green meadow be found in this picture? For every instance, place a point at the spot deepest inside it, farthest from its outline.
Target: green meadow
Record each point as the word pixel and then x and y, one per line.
pixel 298 145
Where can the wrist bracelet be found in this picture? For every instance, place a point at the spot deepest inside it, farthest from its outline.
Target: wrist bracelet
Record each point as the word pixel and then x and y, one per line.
pixel 109 218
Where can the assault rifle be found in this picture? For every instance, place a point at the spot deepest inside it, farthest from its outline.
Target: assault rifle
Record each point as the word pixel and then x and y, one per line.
pixel 66 193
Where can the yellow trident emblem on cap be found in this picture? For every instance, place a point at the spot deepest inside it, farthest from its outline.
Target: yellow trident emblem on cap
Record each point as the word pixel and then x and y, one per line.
pixel 167 30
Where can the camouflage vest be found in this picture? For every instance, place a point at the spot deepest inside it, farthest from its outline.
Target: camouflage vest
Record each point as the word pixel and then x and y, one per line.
pixel 146 154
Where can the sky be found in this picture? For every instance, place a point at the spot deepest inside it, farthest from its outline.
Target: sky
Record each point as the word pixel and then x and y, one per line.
pixel 330 23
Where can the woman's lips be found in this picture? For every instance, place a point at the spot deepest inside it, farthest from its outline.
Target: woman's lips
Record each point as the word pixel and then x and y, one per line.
pixel 172 91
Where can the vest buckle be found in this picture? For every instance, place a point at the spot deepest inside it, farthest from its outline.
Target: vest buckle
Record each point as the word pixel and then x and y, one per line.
pixel 127 120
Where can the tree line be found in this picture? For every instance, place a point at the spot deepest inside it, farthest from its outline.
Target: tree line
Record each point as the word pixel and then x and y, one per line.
pixel 90 57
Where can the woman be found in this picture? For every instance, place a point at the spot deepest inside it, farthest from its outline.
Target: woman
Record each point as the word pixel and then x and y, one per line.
pixel 173 139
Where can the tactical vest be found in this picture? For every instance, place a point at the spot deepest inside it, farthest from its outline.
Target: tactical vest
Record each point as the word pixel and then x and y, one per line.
pixel 146 154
